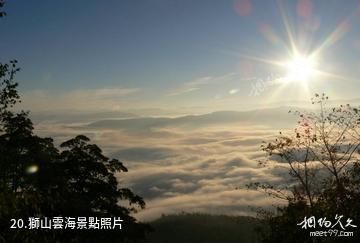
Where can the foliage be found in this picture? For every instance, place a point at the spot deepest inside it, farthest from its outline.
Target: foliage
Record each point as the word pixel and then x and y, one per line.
pixel 322 155
pixel 2 13
pixel 195 227
pixel 39 180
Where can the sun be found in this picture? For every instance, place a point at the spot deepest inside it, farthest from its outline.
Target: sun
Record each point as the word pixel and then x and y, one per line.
pixel 300 68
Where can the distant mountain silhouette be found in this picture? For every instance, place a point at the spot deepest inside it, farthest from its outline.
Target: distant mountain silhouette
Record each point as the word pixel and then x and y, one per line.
pixel 277 117
pixel 71 117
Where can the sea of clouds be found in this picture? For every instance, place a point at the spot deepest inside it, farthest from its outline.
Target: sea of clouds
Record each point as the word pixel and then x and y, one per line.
pixel 193 163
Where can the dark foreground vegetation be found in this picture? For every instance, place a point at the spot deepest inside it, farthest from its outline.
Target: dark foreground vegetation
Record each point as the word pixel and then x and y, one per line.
pixel 194 228
pixel 39 180
pixel 322 191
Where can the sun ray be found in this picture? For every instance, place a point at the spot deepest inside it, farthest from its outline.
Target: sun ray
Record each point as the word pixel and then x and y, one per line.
pixel 337 33
pixel 333 37
pixel 263 60
pixel 301 67
pixel 333 75
pixel 287 27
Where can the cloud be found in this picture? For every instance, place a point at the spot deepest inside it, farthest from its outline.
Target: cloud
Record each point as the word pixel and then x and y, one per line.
pixel 183 91
pixel 81 99
pixel 271 117
pixel 108 93
pixel 189 163
pixel 245 141
pixel 144 154
pixel 233 91
pixel 234 202
pixel 239 162
pixel 196 84
pixel 190 86
pixel 198 140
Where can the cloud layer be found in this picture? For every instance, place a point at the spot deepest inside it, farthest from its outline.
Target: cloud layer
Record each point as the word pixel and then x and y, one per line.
pixel 193 163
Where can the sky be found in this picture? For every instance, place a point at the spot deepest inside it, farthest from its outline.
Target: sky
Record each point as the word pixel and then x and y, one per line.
pixel 156 63
pixel 178 54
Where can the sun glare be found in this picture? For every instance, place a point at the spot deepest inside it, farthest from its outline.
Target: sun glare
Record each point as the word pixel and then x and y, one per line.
pixel 300 69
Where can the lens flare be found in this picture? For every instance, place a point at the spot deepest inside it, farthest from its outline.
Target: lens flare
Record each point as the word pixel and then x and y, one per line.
pixel 32 169
pixel 300 68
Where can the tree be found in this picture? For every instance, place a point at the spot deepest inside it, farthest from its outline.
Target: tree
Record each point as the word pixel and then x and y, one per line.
pixel 322 155
pixel 2 13
pixel 39 180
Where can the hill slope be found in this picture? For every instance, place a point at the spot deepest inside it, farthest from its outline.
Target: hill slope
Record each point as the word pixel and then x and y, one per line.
pixel 197 228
